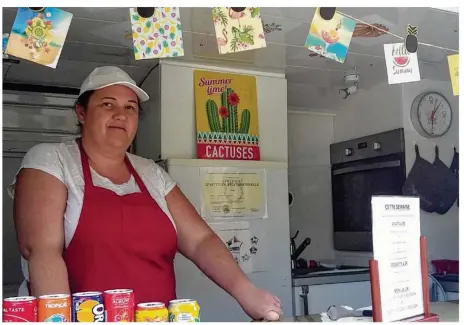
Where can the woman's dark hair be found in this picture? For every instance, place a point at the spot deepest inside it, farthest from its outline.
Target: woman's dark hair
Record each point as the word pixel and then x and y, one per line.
pixel 83 100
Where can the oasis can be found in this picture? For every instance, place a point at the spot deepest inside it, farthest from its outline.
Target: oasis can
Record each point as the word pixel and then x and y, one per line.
pixel 54 308
pixel 184 310
pixel 87 307
pixel 150 312
pixel 20 309
pixel 119 305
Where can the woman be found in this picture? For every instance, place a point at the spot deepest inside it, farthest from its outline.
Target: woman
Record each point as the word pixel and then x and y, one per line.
pixel 90 216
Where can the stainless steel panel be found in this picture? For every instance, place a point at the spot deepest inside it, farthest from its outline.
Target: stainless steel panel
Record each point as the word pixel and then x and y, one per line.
pixel 333 278
pixel 390 142
pixel 386 164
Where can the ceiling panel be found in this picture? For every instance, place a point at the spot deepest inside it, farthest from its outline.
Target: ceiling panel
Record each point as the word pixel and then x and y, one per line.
pixel 68 73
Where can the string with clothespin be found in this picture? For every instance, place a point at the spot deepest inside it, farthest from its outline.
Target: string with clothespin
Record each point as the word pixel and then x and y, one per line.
pixel 414 30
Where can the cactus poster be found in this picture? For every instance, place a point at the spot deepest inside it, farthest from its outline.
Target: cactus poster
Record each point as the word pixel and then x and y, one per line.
pixel 226 116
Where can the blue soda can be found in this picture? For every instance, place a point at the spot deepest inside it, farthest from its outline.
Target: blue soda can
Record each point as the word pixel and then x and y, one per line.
pixel 88 307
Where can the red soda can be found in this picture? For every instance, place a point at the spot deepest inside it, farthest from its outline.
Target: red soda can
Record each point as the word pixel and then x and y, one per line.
pixel 20 309
pixel 119 305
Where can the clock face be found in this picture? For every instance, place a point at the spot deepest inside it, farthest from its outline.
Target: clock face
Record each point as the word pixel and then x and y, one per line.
pixel 433 114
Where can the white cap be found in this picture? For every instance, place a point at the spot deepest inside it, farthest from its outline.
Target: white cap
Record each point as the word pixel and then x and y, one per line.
pixel 102 77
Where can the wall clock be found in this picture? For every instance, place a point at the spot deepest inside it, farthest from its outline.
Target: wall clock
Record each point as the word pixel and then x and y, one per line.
pixel 431 114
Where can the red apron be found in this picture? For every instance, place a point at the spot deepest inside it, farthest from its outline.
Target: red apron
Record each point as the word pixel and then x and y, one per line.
pixel 122 242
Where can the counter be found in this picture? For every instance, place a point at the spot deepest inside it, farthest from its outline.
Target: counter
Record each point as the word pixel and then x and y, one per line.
pixel 328 278
pixel 447 311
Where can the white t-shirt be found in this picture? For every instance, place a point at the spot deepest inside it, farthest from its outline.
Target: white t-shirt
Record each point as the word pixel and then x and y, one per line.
pixel 63 160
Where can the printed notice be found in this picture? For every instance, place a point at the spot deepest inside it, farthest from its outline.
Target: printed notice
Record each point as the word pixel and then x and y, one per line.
pixel 396 241
pixel 236 237
pixel 232 192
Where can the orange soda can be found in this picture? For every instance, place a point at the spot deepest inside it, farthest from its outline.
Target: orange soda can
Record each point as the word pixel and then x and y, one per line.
pixel 150 312
pixel 54 308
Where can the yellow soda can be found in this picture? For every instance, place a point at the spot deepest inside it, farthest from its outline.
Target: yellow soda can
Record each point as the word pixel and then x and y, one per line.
pixel 149 312
pixel 184 310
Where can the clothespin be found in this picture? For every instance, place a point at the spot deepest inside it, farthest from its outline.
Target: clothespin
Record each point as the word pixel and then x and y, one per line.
pixel 411 39
pixel 145 12
pixel 327 13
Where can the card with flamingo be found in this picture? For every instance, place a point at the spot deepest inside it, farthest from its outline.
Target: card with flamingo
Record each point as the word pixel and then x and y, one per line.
pixel 330 38
pixel 238 29
pixel 157 36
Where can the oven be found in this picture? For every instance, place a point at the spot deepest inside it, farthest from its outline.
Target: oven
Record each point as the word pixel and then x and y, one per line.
pixel 361 168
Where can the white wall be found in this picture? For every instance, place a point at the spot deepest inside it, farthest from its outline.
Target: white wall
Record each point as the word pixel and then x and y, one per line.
pixel 148 139
pixel 442 231
pixel 309 137
pixel 178 129
pixel 368 112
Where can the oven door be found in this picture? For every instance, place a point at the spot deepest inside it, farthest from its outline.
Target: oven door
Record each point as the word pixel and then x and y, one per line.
pixel 353 185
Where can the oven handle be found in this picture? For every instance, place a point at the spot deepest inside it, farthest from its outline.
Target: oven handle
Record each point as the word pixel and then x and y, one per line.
pixel 385 164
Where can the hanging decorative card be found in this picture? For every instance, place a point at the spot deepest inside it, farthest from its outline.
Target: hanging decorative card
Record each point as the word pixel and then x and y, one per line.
pixel 157 36
pixel 5 38
pixel 39 36
pixel 330 38
pixel 453 64
pixel 226 111
pixel 238 29
pixel 402 66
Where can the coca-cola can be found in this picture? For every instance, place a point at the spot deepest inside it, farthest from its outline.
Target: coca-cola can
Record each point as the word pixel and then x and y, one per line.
pixel 119 305
pixel 20 309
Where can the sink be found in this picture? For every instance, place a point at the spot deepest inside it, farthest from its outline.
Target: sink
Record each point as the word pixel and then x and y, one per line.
pixel 449 282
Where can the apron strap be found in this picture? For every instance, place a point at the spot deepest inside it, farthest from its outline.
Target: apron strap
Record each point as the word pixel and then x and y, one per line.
pixel 138 180
pixel 85 164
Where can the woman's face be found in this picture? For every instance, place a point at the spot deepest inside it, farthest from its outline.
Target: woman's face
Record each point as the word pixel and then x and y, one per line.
pixel 111 116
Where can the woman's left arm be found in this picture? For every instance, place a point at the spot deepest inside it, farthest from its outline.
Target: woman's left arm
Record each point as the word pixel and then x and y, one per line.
pixel 202 246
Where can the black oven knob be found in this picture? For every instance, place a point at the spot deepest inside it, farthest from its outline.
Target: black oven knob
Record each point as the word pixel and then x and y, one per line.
pixel 348 152
pixel 376 146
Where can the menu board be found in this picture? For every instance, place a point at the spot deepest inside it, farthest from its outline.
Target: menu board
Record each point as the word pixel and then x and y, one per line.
pixel 396 243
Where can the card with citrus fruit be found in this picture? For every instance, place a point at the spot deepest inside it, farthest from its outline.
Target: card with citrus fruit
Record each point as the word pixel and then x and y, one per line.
pixel 158 35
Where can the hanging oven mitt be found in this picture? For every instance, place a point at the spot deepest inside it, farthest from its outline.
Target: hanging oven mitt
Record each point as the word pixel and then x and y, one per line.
pixel 455 169
pixel 448 185
pixel 421 182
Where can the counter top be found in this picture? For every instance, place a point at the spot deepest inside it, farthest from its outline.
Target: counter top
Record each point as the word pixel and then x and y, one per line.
pixel 329 278
pixel 447 311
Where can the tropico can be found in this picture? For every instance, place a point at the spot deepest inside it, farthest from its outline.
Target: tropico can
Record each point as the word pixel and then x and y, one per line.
pixel 119 305
pixel 20 309
pixel 87 307
pixel 150 312
pixel 184 310
pixel 54 308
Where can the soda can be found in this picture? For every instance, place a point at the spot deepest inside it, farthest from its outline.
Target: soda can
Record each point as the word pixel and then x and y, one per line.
pixel 87 307
pixel 119 305
pixel 150 312
pixel 54 308
pixel 20 309
pixel 184 310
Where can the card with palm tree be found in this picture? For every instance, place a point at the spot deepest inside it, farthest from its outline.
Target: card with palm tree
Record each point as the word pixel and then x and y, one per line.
pixel 238 29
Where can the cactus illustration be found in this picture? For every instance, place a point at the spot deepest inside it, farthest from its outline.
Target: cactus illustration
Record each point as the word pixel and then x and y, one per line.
pixel 229 114
pixel 213 116
pixel 245 121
